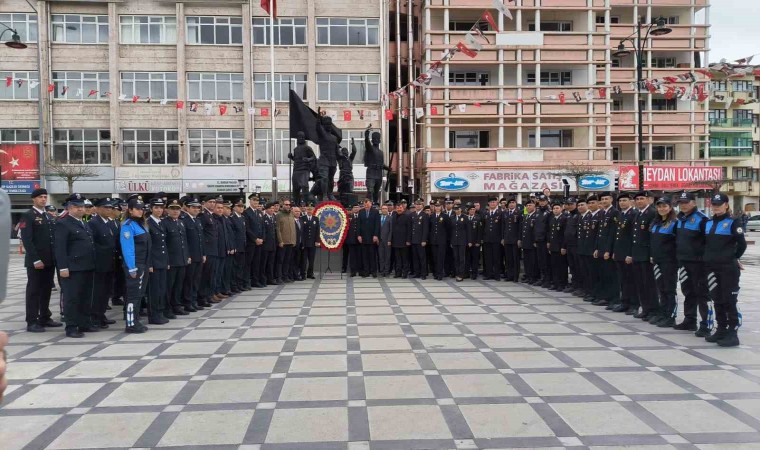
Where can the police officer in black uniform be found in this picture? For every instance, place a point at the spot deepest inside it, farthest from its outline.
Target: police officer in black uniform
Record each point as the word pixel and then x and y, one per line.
pixel 352 242
pixel 254 238
pixel 527 242
pixel 472 256
pixel 623 256
pixel 401 239
pixel 592 223
pixel 541 234
pixel 556 246
pixel 461 238
pixel 646 289
pixel 690 247
pixel 105 258
pixel 310 238
pixel 119 280
pixel 37 232
pixel 608 290
pixel 240 277
pixel 513 218
pixel 570 245
pixel 420 230
pixel 179 256
pixel 75 257
pixel 226 246
pixel 269 245
pixel 439 238
pixel 211 250
pixel 158 307
pixel 492 236
pixel 193 271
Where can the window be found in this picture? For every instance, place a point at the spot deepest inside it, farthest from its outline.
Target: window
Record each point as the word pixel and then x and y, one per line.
pixel 663 152
pixel 552 26
pixel 616 154
pixel 262 86
pixel 263 145
pixel 214 30
pixel 154 85
pixel 721 85
pixel 82 146
pixel 617 104
pixel 743 116
pixel 150 146
pixel 717 115
pixel 334 87
pixel 601 21
pixel 663 62
pixel 551 139
pixel 19 136
pixel 403 22
pixel 745 173
pixel 358 137
pixel 148 29
pixel 287 31
pixel 469 139
pixel 718 141
pixel 80 29
pixel 468 79
pixel 563 78
pixel 24 24
pixel 664 104
pixel 81 85
pixel 216 146
pixel 458 25
pixel 343 31
pixel 215 86
pixel 21 86
pixel 673 20
pixel 743 86
pixel 616 63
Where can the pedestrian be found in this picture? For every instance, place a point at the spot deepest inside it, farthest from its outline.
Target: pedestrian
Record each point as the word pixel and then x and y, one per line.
pixel 492 223
pixel 690 248
pixel 440 239
pixel 210 229
pixel 286 239
pixel 384 248
pixel 513 218
pixel 296 262
pixel 135 245
pixel 253 240
pixel 369 237
pixel 646 288
pixel 269 246
pixel 556 246
pixel 609 287
pixel 420 230
pixel 241 278
pixel 663 254
pixel 622 255
pixel 462 235
pixel 528 242
pixel 401 239
pixel 352 242
pixel 475 236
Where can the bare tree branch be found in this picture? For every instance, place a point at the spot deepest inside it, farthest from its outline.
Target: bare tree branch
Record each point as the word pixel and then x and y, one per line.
pixel 576 171
pixel 69 173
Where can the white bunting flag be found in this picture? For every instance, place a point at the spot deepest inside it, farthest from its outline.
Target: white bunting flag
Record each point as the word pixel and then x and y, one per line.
pixel 502 8
pixel 462 107
pixel 472 42
pixel 79 92
pixel 33 84
pixel 419 112
pixel 374 115
pixel 251 111
pixel 164 101
pixel 208 109
pixel 122 97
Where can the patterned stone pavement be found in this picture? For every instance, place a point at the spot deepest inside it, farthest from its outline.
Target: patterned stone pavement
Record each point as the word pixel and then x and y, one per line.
pixel 384 364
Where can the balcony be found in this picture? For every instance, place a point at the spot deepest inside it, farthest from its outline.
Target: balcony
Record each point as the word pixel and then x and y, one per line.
pixel 730 152
pixel 731 123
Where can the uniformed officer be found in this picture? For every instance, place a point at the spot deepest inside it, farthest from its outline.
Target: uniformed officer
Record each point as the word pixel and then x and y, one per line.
pixel 448 211
pixel 646 288
pixel 492 223
pixel 88 210
pixel 570 244
pixel 241 278
pixel 663 254
pixel 528 244
pixel 352 242
pixel 461 234
pixel 724 246
pixel 690 247
pixel 439 238
pixel 226 247
pixel 37 232
pixel 254 229
pixel 623 256
pixel 556 245
pixel 401 239
pixel 369 237
pixel 211 249
pixel 75 257
pixel 608 289
pixel 118 215
pixel 158 307
pixel 179 256
pixel 268 246
pixel 472 253
pixel 193 271
pixel 135 245
pixel 310 238
pixel 541 235
pixel 105 258
pixel 513 218
pixel 592 224
pixel 420 230
pixel 575 253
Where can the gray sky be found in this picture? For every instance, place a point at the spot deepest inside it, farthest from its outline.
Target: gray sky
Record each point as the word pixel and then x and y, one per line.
pixel 735 31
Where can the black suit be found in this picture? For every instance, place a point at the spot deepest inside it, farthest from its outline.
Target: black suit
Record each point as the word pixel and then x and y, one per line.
pixel 646 287
pixel 75 252
pixel 310 239
pixel 268 248
pixel 179 254
pixel 193 271
pixel 492 235
pixel 511 234
pixel 354 248
pixel 210 247
pixel 157 284
pixel 384 248
pixel 369 230
pixel 37 232
pixel 105 256
pixel 608 277
pixel 528 245
pixel 254 229
pixel 623 248
pixel 119 278
pixel 420 230
pixel 401 236
pixel 240 278
pixel 297 254
pixel 472 253
pixel 461 234
pixel 438 236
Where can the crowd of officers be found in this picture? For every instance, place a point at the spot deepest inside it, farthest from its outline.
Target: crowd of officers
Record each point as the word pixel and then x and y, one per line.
pixel 169 258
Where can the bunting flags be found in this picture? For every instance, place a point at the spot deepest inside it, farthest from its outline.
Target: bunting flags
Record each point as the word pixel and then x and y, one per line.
pixel 464 49
pixel 346 115
pixel 502 8
pixel 265 7
pixel 489 18
pixel 8 81
pixel 222 110
pixel 51 88
pixel 388 114
pixel 472 42
pixel 92 92
pixel 135 98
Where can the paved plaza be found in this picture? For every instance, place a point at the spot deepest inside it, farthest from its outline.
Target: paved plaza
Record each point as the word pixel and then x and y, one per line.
pixel 384 364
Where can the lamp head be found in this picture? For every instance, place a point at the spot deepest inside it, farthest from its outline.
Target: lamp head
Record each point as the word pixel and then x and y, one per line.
pixel 15 41
pixel 621 51
pixel 661 28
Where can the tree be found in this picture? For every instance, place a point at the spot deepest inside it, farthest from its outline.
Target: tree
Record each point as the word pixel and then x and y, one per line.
pixel 69 173
pixel 576 171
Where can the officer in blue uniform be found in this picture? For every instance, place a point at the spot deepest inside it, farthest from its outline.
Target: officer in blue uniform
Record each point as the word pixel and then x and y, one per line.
pixel 690 248
pixel 158 310
pixel 105 259
pixel 724 246
pixel 178 255
pixel 193 271
pixel 663 254
pixel 75 257
pixel 135 248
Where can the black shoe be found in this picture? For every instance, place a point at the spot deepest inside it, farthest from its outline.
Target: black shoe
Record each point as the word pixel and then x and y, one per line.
pixel 90 329
pixel 718 335
pixel 397 276
pixel 50 323
pixel 158 321
pixel 374 275
pixel 143 313
pixel 180 312
pixel 423 277
pixel 703 331
pixel 35 328
pixel 311 277
pixel 117 302
pixel 568 290
pixel 654 318
pixel 169 315
pixel 107 321
pixel 632 311
pixel 620 308
pixel 108 307
pixel 74 334
pixel 686 326
pixel 104 326
pixel 731 339
pixel 666 322
pixel 136 329
pixel 601 302
pixel 641 315
pixel 611 307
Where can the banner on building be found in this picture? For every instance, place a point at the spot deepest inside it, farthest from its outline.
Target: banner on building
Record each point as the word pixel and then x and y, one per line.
pixel 514 180
pixel 19 168
pixel 669 178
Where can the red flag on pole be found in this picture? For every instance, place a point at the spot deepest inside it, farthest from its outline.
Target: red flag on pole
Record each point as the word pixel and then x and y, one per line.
pixel 92 92
pixel 180 104
pixel 562 98
pixel 433 110
pixel 489 18
pixel 265 5
pixel 264 112
pixel 222 110
pixel 388 114
pixel 135 98
pixel 467 51
pixel 346 115
pixel 51 88
pixel 8 81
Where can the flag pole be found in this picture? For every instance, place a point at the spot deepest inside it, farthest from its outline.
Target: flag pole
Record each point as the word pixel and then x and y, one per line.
pixel 290 151
pixel 272 98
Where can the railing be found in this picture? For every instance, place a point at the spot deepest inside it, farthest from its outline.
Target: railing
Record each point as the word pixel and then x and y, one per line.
pixel 730 152
pixel 731 123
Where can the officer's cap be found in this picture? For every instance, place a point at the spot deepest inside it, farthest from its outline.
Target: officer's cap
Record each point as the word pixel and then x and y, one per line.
pixel 161 195
pixel 607 194
pixel 686 197
pixel 75 200
pixel 571 201
pixel 209 198
pixel 192 201
pixel 310 204
pixel 389 203
pixel 174 204
pixel 530 201
pixel 511 199
pixel 627 195
pixel 269 205
pixel 492 199
pixel 240 202
pixel 642 194
pixel 50 208
pixel 227 204
pixel 134 196
pixel 556 203
pixel 402 202
pixel 87 203
pixel 253 196
pixel 418 201
pixel 665 200
pixel 39 191
pixel 104 202
pixel 592 198
pixel 719 199
pixel 135 203
pixel 157 201
pixel 426 208
pixel 457 208
pixel 448 200
pixel 542 197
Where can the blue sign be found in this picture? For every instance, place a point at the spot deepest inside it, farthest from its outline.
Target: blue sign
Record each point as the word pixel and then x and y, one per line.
pixel 594 182
pixel 452 183
pixel 20 187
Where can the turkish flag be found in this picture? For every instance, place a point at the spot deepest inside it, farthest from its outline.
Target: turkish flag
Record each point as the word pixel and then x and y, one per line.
pixel 562 98
pixel 222 110
pixel 466 50
pixel 388 114
pixel 92 92
pixel 180 104
pixel 346 115
pixel 433 110
pixel 264 112
pixel 8 81
pixel 135 98
pixel 51 88
pixel 489 18
pixel 19 162
pixel 265 7
pixel 603 92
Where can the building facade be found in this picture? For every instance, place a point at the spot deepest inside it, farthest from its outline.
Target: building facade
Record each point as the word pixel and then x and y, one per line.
pixel 176 96
pixel 545 93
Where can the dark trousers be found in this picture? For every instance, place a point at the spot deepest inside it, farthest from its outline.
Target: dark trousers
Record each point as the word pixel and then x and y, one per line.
pixel 529 261
pixel 419 260
pixel 266 268
pixel 646 287
pixel 284 257
pixel 253 261
pixel 135 291
pixel 157 303
pixel 559 269
pixel 240 280
pixel 295 263
pixel 438 253
pixel 665 272
pixel 217 282
pixel 191 283
pixel 101 292
pixel 512 259
pixel 573 264
pixel 401 256
pixel 472 260
pixel 227 273
pixel 77 308
pixel 542 260
pixel 608 280
pixel 693 281
pixel 628 294
pixel 344 261
pixel 207 278
pixel 119 281
pixel 384 258
pixel 39 283
pixel 175 280
pixel 355 259
pixel 307 261
pixel 369 258
pixel 723 282
pixel 592 275
pixel 460 257
pixel 596 283
pixel 448 265
pixel 492 260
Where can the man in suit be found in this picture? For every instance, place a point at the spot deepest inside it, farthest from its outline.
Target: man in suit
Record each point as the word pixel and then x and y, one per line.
pixel 210 229
pixel 439 240
pixel 472 253
pixel 622 256
pixel 239 276
pixel 401 239
pixel 228 246
pixel 384 240
pixel 254 238
pixel 105 257
pixel 37 232
pixel 527 242
pixel 194 232
pixel 269 246
pixel 609 288
pixel 646 288
pixel 511 234
pixel 296 262
pixel 492 236
pixel 462 234
pixel 75 257
pixel 448 265
pixel 119 278
pixel 352 242
pixel 556 246
pixel 587 247
pixel 179 256
pixel 420 230
pixel 310 239
pixel 369 238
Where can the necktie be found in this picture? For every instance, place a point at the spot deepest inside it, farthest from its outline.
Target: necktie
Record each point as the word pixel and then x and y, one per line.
pixel 382 221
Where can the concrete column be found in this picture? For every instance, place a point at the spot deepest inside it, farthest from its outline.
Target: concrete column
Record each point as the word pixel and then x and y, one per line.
pixel 114 79
pixel 248 82
pixel 184 151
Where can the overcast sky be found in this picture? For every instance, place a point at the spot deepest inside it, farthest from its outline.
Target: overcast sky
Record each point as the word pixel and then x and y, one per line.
pixel 735 31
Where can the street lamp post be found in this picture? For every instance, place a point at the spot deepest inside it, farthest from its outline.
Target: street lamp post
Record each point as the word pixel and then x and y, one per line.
pixel 241 187
pixel 657 28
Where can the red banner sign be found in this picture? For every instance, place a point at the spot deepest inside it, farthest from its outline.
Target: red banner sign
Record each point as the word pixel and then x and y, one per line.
pixel 667 178
pixel 19 162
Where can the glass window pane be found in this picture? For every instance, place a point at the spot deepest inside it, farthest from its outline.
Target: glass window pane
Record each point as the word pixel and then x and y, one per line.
pixel 222 34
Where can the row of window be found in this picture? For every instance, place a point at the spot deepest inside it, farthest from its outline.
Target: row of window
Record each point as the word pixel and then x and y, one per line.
pixel 201 86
